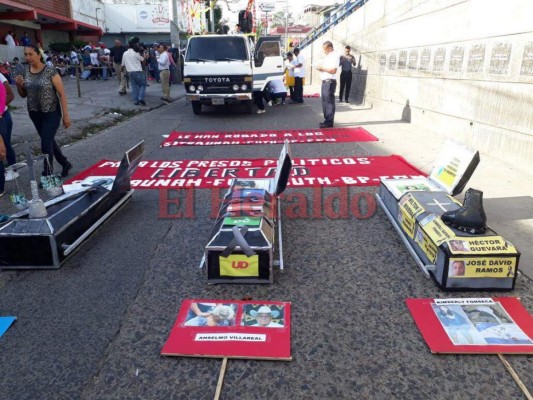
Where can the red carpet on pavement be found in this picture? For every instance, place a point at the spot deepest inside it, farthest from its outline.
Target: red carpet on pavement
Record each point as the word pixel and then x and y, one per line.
pixel 306 172
pixel 328 135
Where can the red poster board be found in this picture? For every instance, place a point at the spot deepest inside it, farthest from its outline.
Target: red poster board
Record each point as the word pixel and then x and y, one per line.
pixel 229 328
pixel 499 325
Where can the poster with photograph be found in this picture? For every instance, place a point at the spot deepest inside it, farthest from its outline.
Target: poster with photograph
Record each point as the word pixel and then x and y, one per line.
pixel 400 186
pixel 474 325
pixel 231 328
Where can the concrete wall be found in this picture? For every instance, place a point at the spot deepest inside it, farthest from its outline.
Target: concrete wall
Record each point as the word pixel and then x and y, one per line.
pixel 465 66
pixel 89 11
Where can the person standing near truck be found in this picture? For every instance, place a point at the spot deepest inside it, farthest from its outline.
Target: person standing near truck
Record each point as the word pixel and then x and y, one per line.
pixel 328 71
pixel 299 75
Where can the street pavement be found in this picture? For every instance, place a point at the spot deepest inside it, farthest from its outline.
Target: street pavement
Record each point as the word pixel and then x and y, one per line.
pixel 94 328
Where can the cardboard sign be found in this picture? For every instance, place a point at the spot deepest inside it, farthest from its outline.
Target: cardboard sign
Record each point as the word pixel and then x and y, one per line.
pixel 239 265
pixel 230 328
pixel 474 325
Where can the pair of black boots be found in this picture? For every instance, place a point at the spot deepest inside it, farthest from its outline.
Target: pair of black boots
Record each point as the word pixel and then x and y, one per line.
pixel 471 216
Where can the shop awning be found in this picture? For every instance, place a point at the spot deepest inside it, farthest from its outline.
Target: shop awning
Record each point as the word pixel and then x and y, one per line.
pixel 51 21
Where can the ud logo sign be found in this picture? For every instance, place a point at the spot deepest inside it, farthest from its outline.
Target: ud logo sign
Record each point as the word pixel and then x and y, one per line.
pixel 239 265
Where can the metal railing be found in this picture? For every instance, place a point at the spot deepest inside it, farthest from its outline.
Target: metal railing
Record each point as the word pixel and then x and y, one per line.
pixel 338 15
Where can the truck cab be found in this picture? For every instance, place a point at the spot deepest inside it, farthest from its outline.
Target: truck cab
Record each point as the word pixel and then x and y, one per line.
pixel 226 69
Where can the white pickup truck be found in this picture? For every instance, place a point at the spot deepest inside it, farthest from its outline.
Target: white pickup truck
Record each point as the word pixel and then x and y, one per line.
pixel 227 69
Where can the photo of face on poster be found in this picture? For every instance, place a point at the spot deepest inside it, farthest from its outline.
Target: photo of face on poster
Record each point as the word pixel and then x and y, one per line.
pixel 458 245
pixel 266 316
pixel 413 187
pixel 495 324
pixel 211 314
pixel 457 268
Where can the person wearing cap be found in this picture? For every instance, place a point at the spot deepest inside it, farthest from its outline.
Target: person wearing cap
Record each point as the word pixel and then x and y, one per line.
pixel 264 317
pixel 220 316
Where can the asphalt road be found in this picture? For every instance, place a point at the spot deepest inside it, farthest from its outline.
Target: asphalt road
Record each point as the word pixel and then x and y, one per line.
pixel 94 328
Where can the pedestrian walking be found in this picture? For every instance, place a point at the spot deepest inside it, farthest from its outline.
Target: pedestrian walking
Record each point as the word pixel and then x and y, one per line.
pixel 47 106
pixel 328 71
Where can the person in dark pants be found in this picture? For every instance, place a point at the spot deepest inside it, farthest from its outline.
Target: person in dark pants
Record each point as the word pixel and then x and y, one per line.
pixel 290 68
pixel 346 62
pixel 328 71
pixel 47 105
pixel 258 99
pixel 299 75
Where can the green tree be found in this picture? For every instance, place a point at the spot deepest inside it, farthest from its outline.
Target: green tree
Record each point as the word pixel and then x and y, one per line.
pixel 278 19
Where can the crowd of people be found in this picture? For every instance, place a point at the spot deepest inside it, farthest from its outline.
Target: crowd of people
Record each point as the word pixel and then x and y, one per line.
pixel 39 79
pixel 40 82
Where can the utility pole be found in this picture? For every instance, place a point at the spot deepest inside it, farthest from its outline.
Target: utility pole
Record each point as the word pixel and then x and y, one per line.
pixel 286 26
pixel 212 14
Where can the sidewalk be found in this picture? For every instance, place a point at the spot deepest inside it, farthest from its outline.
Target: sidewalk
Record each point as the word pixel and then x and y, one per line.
pixel 507 190
pixel 100 106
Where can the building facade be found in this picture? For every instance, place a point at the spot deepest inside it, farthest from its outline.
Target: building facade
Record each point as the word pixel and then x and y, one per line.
pixel 45 21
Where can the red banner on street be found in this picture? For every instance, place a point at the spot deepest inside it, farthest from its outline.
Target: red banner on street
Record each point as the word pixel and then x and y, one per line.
pixel 306 172
pixel 328 135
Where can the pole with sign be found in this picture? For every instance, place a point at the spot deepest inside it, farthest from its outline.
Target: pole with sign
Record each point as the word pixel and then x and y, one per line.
pixel 266 7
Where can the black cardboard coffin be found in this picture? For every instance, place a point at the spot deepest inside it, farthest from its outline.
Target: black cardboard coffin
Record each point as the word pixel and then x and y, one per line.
pixel 44 243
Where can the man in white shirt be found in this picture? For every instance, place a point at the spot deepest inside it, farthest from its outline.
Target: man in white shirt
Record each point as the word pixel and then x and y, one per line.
pixel 290 68
pixel 328 71
pixel 163 62
pixel 132 61
pixel 11 45
pixel 264 317
pixel 277 90
pixel 299 75
pixel 10 41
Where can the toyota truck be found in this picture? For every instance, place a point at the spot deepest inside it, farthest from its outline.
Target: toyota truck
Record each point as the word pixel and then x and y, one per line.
pixel 220 70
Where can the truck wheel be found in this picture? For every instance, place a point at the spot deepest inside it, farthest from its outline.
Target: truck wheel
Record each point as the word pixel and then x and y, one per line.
pixel 196 107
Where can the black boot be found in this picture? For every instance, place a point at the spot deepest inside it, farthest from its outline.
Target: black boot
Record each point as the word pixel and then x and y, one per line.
pixel 470 217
